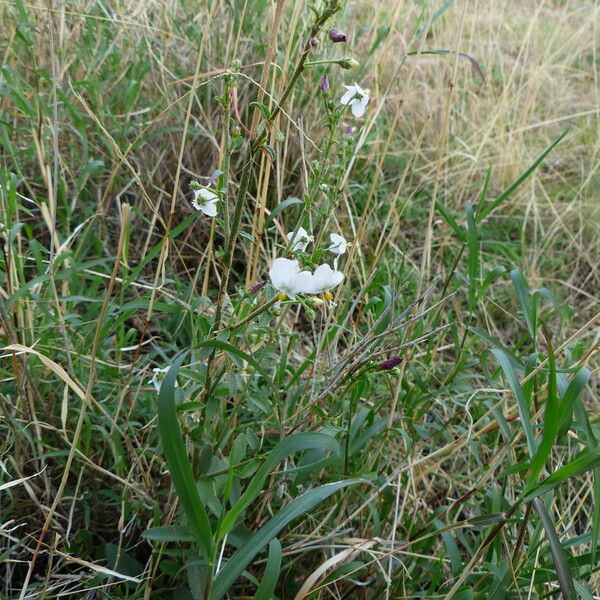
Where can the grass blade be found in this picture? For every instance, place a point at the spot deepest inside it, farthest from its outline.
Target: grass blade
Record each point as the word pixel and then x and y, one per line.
pixel 242 557
pixel 513 380
pixel 271 575
pixel 565 579
pixel 552 417
pixel 178 463
pixel 289 445
pixel 486 210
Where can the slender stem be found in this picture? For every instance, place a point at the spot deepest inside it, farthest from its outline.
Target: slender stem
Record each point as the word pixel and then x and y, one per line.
pixel 255 313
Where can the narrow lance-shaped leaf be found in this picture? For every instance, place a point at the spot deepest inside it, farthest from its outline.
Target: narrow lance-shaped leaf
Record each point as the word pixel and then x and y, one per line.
pixel 486 210
pixel 515 385
pixel 294 443
pixel 552 418
pixel 271 574
pixel 178 462
pixel 244 555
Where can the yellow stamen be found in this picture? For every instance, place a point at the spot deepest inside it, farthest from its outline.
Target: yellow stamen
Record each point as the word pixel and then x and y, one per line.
pixel 328 296
pixel 281 297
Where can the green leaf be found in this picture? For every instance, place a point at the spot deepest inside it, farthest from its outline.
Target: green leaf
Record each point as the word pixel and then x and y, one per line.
pixel 486 210
pixel 232 350
pixel 511 375
pixel 473 258
pixel 572 393
pixel 266 113
pixel 523 295
pixel 559 558
pixel 169 533
pixel 272 570
pixel 289 445
pixel 178 463
pixel 552 418
pixel 451 221
pixel 281 206
pixel 228 575
pixel 586 460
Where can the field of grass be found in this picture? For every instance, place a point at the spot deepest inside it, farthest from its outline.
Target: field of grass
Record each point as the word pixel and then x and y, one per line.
pixel 177 423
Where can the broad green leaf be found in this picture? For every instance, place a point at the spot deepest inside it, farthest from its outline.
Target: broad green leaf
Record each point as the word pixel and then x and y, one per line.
pixel 473 257
pixel 230 349
pixel 552 420
pixel 281 206
pixel 523 294
pixel 586 460
pixel 240 559
pixel 571 395
pixel 511 375
pixel 294 443
pixel 559 557
pixel 169 533
pixel 178 462
pixel 272 570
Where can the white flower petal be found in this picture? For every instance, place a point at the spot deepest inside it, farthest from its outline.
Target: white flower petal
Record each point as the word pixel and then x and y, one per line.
pixel 338 244
pixel 301 240
pixel 358 109
pixel 209 209
pixel 282 272
pixel 326 278
pixel 206 194
pixel 347 97
pixel 304 283
pixel 205 201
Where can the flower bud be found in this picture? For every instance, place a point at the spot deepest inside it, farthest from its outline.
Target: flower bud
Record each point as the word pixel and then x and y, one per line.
pixel 390 363
pixel 324 85
pixel 337 35
pixel 348 63
pixel 349 131
pixel 255 288
pixel 313 43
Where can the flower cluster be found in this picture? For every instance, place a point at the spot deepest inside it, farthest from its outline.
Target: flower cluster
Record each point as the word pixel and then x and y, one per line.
pixel 288 278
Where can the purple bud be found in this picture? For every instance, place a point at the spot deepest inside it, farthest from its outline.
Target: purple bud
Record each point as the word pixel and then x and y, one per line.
pixel 390 363
pixel 324 85
pixel 256 287
pixel 337 35
pixel 349 131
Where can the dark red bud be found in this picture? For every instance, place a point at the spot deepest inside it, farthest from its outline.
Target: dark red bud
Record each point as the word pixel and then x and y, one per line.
pixel 337 35
pixel 390 363
pixel 256 287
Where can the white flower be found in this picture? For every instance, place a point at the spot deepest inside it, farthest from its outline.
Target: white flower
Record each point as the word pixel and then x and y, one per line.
pixel 356 98
pixel 338 244
pixel 301 240
pixel 159 375
pixel 206 201
pixel 288 279
pixel 325 278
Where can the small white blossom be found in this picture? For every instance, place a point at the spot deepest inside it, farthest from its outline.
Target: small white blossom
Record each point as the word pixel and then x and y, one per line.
pixel 159 375
pixel 288 279
pixel 301 240
pixel 205 200
pixel 325 278
pixel 339 245
pixel 357 98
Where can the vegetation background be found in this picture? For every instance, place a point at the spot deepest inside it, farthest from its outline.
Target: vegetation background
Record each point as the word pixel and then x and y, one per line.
pixel 464 473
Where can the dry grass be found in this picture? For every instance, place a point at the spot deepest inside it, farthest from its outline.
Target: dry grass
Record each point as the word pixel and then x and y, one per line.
pixel 123 75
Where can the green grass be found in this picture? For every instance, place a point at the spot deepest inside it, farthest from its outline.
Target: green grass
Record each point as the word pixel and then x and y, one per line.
pixel 293 459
